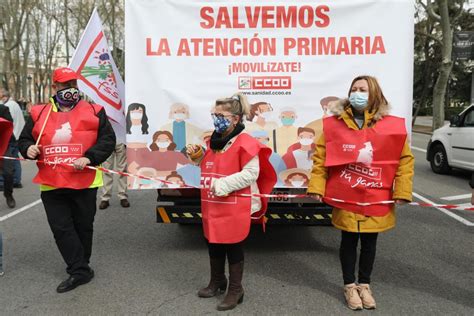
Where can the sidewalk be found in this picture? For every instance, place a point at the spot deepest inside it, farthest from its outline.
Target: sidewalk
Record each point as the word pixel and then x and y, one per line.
pixel 423 125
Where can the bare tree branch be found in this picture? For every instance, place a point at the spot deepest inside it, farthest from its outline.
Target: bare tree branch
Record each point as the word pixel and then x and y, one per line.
pixel 431 12
pixel 436 39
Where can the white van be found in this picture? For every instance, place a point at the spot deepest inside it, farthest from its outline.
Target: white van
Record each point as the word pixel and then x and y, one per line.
pixel 453 145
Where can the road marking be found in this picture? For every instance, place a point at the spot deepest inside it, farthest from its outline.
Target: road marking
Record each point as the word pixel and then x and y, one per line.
pixel 418 148
pixel 456 197
pixel 20 210
pixel 450 214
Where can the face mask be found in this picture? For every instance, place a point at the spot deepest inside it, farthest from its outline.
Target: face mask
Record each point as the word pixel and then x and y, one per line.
pixel 136 115
pixel 266 115
pixel 297 183
pixel 306 141
pixel 179 116
pixel 173 185
pixel 68 97
pixel 287 121
pixel 146 181
pixel 359 100
pixel 163 144
pixel 221 124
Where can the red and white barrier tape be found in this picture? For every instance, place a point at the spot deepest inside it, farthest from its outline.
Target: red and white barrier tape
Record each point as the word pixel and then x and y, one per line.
pixel 446 206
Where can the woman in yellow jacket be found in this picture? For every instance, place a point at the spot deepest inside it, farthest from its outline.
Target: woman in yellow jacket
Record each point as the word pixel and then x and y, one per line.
pixel 342 171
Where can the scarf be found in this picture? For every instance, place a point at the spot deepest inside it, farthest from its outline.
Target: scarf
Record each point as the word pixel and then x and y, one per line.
pixel 218 142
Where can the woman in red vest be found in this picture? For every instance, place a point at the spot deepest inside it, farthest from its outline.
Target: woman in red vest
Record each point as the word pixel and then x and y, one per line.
pixel 362 157
pixel 236 164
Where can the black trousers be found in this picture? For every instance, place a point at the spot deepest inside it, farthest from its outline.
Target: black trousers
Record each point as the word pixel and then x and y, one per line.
pixel 234 252
pixel 7 168
pixel 71 219
pixel 348 255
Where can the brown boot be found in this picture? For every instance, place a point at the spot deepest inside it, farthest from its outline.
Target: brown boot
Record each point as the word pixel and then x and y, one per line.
pixel 366 296
pixel 235 293
pixel 218 281
pixel 351 293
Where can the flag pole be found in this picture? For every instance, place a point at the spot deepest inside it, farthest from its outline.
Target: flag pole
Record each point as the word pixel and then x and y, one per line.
pixel 44 124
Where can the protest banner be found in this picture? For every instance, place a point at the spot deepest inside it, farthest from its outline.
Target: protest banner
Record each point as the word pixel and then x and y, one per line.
pixel 289 58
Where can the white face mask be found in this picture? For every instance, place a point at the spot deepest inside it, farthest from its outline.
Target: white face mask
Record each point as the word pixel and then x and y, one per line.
pixel 306 141
pixel 136 115
pixel 173 185
pixel 163 144
pixel 297 183
pixel 179 116
pixel 266 115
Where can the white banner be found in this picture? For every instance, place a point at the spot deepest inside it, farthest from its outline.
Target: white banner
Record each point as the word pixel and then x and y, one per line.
pixel 288 57
pixel 99 76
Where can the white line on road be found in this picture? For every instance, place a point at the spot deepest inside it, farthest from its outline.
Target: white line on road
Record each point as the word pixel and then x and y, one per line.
pixel 456 197
pixel 20 210
pixel 418 148
pixel 450 214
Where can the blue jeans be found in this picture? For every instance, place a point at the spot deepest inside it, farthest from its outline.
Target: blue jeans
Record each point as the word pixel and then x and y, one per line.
pixel 13 148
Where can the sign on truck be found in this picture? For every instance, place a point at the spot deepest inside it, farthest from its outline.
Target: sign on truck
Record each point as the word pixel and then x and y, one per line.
pixel 291 58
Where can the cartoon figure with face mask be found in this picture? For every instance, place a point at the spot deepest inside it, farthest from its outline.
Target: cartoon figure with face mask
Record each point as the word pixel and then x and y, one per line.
pixel 299 155
pixel 174 180
pixel 147 183
pixel 164 158
pixel 287 134
pixel 295 178
pixel 260 119
pixel 137 139
pixel 183 132
pixel 137 126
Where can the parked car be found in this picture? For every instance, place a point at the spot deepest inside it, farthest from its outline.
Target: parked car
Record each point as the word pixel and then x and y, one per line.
pixel 453 145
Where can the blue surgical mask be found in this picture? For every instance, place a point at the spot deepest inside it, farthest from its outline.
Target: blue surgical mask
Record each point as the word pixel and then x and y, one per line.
pixel 221 124
pixel 146 181
pixel 359 100
pixel 287 121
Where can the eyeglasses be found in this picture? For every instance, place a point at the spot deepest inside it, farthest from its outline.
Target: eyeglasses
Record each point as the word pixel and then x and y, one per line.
pixel 220 116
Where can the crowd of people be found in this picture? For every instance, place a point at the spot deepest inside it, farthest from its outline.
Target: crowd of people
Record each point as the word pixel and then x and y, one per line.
pixel 232 190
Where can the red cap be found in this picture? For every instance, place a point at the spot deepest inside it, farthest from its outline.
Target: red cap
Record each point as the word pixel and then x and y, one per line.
pixel 64 74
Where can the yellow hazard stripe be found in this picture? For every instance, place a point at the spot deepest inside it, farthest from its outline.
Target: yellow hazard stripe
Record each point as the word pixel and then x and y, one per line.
pixel 164 215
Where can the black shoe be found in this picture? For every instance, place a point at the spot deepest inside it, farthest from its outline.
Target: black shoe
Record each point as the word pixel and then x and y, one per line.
pixel 73 281
pixel 18 186
pixel 103 205
pixel 124 203
pixel 11 201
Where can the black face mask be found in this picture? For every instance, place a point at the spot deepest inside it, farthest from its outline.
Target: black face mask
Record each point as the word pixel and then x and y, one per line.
pixel 68 97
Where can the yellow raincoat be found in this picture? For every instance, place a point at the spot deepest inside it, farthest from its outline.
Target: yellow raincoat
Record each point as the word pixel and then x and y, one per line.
pixel 402 190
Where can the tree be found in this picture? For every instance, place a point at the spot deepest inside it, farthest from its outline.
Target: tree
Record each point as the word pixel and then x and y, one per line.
pixel 444 13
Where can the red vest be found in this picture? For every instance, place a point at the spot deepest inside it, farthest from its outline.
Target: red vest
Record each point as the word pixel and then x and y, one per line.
pixel 227 219
pixel 66 137
pixel 362 163
pixel 6 131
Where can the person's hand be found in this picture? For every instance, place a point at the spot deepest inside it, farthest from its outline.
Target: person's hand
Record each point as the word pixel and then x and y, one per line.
pixel 401 202
pixel 317 197
pixel 192 149
pixel 80 163
pixel 33 151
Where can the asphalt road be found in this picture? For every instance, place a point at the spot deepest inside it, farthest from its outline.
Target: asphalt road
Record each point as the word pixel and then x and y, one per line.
pixel 423 266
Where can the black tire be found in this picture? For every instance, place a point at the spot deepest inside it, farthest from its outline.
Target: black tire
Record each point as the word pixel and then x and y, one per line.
pixel 439 160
